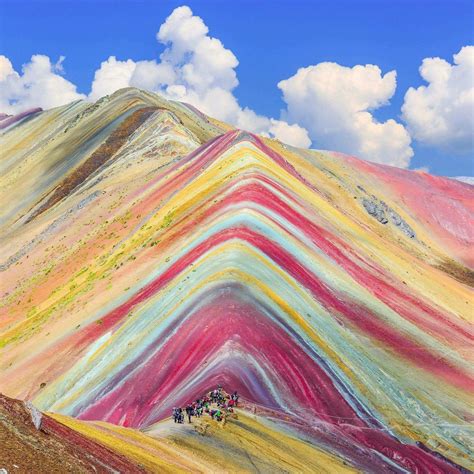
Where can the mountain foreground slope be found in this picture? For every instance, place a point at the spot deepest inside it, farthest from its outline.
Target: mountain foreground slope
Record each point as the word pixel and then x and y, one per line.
pixel 150 253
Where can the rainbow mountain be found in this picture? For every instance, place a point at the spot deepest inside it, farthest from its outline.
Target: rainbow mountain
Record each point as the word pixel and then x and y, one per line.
pixel 150 252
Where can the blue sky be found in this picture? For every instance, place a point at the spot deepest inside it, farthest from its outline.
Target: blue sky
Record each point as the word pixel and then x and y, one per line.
pixel 271 40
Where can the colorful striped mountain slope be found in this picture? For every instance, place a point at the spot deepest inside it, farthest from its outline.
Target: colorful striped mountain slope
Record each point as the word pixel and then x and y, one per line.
pixel 150 253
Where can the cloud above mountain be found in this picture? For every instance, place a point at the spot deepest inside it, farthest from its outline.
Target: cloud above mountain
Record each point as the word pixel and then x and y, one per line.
pixel 333 103
pixel 441 113
pixel 328 105
pixel 39 85
pixel 194 68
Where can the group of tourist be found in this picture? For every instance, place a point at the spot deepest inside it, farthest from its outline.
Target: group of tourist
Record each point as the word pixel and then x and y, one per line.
pixel 216 404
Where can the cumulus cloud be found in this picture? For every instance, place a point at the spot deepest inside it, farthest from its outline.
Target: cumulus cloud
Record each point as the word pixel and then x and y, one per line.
pixel 441 113
pixel 111 76
pixel 6 68
pixel 194 68
pixel 40 84
pixel 201 62
pixel 290 134
pixel 334 104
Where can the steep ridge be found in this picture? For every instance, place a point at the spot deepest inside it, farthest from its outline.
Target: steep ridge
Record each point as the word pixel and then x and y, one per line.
pixel 51 446
pixel 333 293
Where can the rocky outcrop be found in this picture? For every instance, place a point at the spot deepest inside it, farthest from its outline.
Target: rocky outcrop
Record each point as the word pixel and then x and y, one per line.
pixel 385 214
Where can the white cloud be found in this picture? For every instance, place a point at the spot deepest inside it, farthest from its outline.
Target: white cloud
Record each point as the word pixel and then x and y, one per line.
pixel 6 68
pixel 333 103
pixel 193 68
pixel 149 73
pixel 39 85
pixel 111 76
pixel 441 113
pixel 290 134
pixel 201 62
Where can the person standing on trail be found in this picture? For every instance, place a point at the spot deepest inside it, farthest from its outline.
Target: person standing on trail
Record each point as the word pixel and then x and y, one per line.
pixel 189 412
pixel 235 397
pixel 179 415
pixel 198 408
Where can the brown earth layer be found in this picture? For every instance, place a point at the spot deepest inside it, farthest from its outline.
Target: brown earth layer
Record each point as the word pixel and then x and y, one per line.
pixel 54 448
